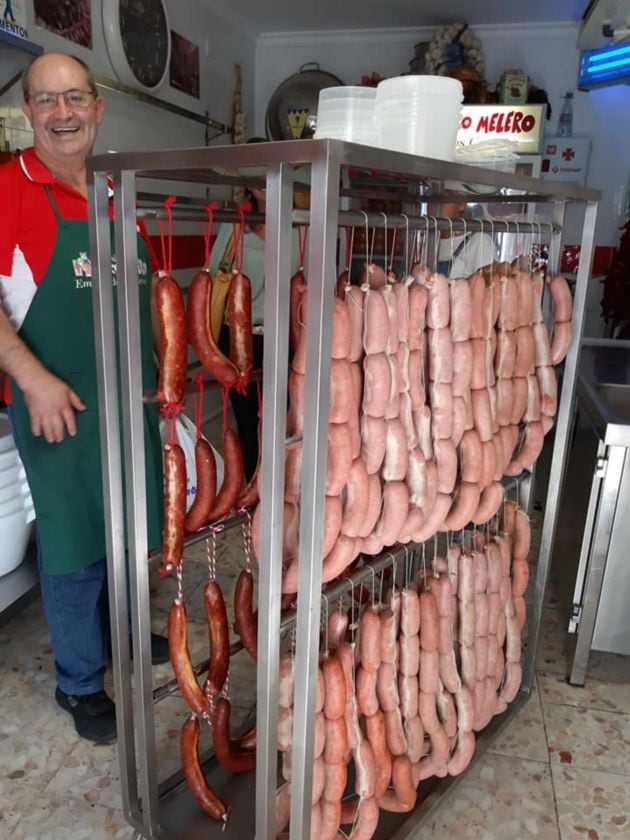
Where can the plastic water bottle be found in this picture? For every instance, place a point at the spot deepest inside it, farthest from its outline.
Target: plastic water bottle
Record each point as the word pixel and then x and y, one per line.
pixel 565 122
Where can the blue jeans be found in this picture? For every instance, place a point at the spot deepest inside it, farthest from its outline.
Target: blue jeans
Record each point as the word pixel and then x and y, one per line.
pixel 75 606
pixel 76 610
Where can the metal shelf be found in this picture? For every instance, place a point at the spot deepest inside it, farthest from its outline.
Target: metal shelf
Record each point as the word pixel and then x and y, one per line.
pixel 414 179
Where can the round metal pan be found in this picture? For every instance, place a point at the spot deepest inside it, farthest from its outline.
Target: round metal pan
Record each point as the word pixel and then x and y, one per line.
pixel 293 106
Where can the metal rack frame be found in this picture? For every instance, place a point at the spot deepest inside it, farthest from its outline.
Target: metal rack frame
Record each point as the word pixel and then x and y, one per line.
pixel 413 176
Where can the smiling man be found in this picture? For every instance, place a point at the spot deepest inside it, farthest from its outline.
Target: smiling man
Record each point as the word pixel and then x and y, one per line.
pixel 47 351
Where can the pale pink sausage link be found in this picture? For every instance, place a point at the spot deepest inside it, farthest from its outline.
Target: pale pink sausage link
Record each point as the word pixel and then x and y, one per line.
pixel 373 442
pixel 461 309
pixel 375 322
pixel 354 304
pixel 462 367
pixel 417 310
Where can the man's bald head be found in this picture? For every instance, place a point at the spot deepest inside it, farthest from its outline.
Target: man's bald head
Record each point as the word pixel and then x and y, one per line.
pixel 53 60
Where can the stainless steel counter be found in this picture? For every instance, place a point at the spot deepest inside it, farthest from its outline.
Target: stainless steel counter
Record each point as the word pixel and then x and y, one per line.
pixel 604 389
pixel 601 599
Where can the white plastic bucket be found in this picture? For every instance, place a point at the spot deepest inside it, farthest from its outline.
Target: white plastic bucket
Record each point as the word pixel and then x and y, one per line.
pixel 11 475
pixel 6 437
pixel 15 531
pixel 433 137
pixel 9 458
pixel 15 489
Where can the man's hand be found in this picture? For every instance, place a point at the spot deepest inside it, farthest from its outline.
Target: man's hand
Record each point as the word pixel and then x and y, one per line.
pixel 52 404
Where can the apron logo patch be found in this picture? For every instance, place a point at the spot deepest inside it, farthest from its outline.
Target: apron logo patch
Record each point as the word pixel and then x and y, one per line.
pixel 82 269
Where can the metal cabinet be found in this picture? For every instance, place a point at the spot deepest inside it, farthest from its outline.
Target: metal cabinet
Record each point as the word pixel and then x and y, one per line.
pixel 600 613
pixel 416 181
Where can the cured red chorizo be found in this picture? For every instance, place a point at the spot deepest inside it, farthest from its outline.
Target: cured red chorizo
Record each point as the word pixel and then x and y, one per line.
pixel 206 469
pixel 200 334
pixel 228 753
pixel 239 314
pixel 180 659
pixel 191 766
pixel 227 496
pixel 245 620
pixel 174 505
pixel 171 312
pixel 219 632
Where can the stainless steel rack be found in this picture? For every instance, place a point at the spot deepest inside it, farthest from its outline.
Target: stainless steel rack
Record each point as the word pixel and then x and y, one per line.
pixel 145 804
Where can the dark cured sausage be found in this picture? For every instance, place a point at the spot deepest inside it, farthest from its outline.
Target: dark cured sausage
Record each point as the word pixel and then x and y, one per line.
pixel 200 334
pixel 229 754
pixel 245 621
pixel 206 469
pixel 200 789
pixel 180 659
pixel 233 478
pixel 169 302
pixel 239 313
pixel 174 505
pixel 216 616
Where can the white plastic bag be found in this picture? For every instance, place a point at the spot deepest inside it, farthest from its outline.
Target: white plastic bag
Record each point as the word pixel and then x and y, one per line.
pixel 186 437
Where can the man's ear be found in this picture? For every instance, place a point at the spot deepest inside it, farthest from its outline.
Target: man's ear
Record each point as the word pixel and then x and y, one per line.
pixel 26 108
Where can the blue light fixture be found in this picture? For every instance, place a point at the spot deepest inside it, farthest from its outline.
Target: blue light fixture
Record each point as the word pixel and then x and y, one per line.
pixel 604 67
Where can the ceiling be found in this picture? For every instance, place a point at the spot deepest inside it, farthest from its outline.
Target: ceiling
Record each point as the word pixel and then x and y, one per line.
pixel 257 17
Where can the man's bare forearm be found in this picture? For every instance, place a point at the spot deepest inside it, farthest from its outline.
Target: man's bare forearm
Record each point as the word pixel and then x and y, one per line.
pixel 15 357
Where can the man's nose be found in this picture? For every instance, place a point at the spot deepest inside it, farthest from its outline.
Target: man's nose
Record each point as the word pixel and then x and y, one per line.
pixel 61 106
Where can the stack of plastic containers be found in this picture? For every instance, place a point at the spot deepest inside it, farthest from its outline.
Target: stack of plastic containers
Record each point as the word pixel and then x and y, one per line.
pixel 16 504
pixel 419 115
pixel 346 113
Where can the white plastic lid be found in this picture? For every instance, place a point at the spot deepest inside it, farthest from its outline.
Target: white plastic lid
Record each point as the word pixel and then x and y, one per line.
pixel 425 84
pixel 347 92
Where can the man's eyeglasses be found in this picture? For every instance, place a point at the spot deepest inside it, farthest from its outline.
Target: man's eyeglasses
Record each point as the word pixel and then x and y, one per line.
pixel 79 100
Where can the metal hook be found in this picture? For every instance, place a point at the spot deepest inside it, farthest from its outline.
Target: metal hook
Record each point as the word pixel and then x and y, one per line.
pixel 450 224
pixel 367 238
pixel 407 266
pixel 325 620
pixel 384 215
pixel 349 254
pixel 352 627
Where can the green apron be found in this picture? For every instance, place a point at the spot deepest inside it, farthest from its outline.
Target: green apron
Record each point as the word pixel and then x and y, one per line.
pixel 65 478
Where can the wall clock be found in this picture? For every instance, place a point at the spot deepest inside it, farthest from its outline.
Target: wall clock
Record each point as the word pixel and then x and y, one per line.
pixel 138 40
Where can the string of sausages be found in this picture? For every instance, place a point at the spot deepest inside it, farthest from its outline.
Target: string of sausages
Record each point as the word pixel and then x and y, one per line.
pixel 402 691
pixel 211 703
pixel 183 323
pixel 438 389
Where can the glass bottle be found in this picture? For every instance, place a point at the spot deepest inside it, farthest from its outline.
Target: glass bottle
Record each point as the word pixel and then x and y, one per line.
pixel 565 121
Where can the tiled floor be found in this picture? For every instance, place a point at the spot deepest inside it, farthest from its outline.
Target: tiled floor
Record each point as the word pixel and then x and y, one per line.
pixel 561 768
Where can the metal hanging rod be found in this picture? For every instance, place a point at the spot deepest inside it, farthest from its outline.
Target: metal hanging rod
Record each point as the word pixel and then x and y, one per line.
pixel 353 218
pixel 110 84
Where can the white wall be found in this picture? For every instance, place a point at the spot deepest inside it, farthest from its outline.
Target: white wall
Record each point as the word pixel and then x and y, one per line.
pixel 132 125
pixel 548 53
